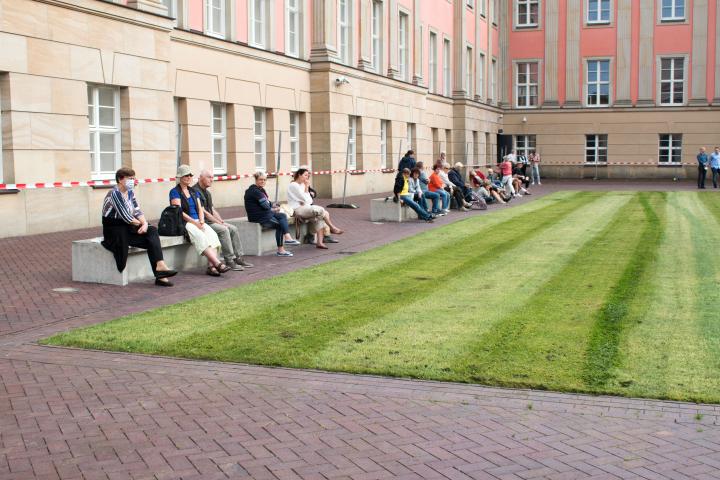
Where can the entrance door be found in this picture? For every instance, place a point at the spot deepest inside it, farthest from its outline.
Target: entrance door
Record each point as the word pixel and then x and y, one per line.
pixel 504 146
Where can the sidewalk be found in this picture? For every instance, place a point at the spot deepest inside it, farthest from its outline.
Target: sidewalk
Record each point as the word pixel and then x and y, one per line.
pixel 70 414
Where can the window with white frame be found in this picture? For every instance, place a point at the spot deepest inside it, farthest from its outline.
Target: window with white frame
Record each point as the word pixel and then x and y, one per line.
pixel 215 18
pixel 410 136
pixel 446 67
pixel 481 74
pixel 670 151
pixel 294 141
pixel 493 80
pixel 258 23
pixel 104 120
pixel 598 11
pixel 403 57
pixel 432 63
pixel 481 7
pixel 344 30
pixel 598 83
pixel 178 131
pixel 526 13
pixel 293 36
pixel 526 85
pixel 672 10
pixel 672 81
pixel 171 6
pixel 352 137
pixel 470 3
pixel 469 76
pixel 219 138
pixel 383 143
pixel 524 144
pixel 259 139
pixel 596 148
pixel 377 27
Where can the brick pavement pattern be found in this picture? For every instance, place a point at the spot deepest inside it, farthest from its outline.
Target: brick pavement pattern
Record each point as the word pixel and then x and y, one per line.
pixel 72 414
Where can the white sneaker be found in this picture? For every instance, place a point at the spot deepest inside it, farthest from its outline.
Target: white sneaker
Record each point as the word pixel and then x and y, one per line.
pixel 539 183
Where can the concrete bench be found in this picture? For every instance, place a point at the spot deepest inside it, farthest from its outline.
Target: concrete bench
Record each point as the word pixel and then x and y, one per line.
pixel 92 263
pixel 257 240
pixel 389 211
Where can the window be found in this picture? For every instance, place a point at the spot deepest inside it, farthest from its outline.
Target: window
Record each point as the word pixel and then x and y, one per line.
pixel 598 11
pixel 215 18
pixel 672 10
pixel 410 137
pixel 432 63
pixel 219 138
pixel 446 68
pixel 524 144
pixel 258 21
pixel 377 9
pixel 259 138
pixel 469 72
pixel 403 56
pixel 344 25
pixel 526 13
pixel 178 131
pixel 596 148
pixel 294 141
pixel 527 84
pixel 672 79
pixel 670 148
pixel 383 143
pixel 469 3
pixel 352 132
pixel 171 6
pixel 598 82
pixel 481 75
pixel 292 28
pixel 104 119
pixel 493 77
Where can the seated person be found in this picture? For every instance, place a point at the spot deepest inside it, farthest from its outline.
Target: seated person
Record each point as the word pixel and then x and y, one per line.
pixel 496 184
pixel 452 189
pixel 416 192
pixel 124 226
pixel 402 192
pixel 436 185
pixel 521 182
pixel 203 238
pixel 301 201
pixel 434 197
pixel 228 234
pixel 260 210
pixel 456 178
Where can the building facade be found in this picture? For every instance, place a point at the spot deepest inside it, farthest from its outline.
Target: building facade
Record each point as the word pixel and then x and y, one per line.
pixel 626 88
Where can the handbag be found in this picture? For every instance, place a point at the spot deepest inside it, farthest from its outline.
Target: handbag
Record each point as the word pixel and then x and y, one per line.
pixel 171 222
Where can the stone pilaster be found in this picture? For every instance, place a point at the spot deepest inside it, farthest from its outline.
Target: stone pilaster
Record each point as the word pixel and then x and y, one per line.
pixel 551 53
pixel 624 53
pixel 365 30
pixel 572 60
pixel 698 95
pixel 417 45
pixel 716 100
pixel 479 69
pixel 324 31
pixel 646 82
pixel 504 65
pixel 393 38
pixel 459 60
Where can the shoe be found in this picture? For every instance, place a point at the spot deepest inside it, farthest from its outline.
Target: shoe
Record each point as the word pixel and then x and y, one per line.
pixel 429 220
pixel 321 247
pixel 446 211
pixel 464 209
pixel 235 267
pixel 309 239
pixel 284 254
pixel 539 183
pixel 292 242
pixel 165 273
pixel 212 271
pixel 330 240
pixel 160 283
pixel 241 261
pixel 528 193
pixel 337 231
pixel 222 268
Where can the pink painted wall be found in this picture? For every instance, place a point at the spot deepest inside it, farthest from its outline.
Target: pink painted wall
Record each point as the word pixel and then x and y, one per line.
pixel 470 26
pixel 195 15
pixel 241 20
pixel 437 16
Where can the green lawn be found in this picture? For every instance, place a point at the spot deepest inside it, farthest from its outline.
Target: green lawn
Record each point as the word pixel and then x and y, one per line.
pixel 578 291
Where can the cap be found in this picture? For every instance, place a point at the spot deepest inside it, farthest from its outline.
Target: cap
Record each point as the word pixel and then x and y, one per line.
pixel 183 171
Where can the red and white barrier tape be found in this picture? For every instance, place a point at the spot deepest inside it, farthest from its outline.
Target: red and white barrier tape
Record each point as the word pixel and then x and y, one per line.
pixel 93 183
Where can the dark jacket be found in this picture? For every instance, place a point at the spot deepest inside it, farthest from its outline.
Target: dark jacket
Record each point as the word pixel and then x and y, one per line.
pixel 406 162
pixel 456 178
pixel 205 197
pixel 397 188
pixel 257 205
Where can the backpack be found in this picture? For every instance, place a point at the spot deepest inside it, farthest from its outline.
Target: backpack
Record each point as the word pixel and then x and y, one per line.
pixel 171 223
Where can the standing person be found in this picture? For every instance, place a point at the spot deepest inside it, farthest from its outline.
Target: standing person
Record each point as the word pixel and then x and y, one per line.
pixel 260 210
pixel 301 201
pixel 408 161
pixel 434 197
pixel 506 171
pixel 511 156
pixel 402 192
pixel 124 226
pixel 231 245
pixel 535 165
pixel 702 160
pixel 715 166
pixel 203 238
pixel 440 161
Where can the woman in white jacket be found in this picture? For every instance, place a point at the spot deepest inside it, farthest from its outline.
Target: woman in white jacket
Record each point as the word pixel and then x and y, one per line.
pixel 300 200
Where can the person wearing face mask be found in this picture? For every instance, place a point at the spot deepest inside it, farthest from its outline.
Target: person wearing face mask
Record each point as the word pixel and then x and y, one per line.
pixel 124 225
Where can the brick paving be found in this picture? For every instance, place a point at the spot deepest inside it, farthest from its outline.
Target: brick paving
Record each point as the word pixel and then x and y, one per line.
pixel 70 414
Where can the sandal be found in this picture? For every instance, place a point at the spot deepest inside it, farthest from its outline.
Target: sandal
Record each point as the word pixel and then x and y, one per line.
pixel 213 272
pixel 222 268
pixel 337 231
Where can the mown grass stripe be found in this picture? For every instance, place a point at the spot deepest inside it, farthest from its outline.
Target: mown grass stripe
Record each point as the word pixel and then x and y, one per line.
pixel 542 343
pixel 424 339
pixel 610 325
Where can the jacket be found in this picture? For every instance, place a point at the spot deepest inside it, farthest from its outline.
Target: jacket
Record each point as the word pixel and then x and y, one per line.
pixel 456 178
pixel 257 205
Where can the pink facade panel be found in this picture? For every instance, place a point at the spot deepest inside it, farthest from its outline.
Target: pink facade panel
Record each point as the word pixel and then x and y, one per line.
pixel 598 42
pixel 470 26
pixel 241 20
pixel 280 26
pixel 496 42
pixel 712 46
pixel 673 38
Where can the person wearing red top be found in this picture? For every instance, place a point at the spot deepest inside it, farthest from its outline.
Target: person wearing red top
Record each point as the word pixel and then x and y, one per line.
pixel 436 184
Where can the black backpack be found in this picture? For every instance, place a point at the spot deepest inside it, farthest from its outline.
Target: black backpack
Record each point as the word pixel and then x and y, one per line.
pixel 171 222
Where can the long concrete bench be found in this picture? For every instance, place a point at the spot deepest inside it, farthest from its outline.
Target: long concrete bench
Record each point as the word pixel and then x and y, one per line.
pixel 385 210
pixel 92 263
pixel 257 240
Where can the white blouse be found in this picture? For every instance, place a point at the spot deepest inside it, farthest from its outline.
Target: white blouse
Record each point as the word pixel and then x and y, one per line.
pixel 297 194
